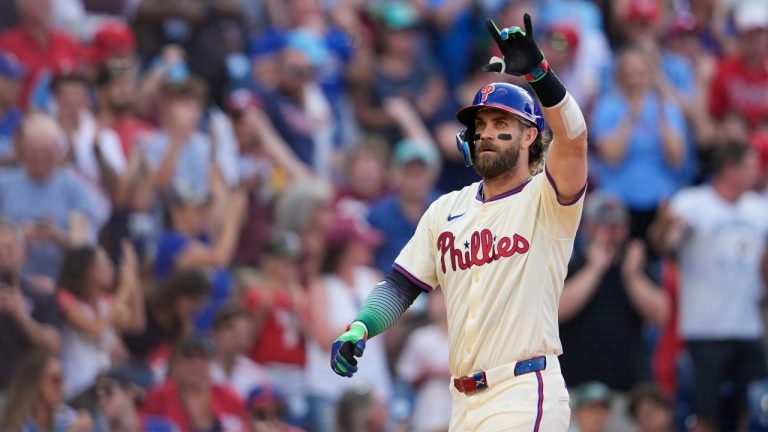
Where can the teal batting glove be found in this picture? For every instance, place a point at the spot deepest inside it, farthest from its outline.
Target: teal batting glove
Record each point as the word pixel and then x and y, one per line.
pixel 349 345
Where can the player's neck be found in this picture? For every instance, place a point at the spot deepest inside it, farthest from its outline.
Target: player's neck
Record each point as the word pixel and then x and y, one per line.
pixel 503 183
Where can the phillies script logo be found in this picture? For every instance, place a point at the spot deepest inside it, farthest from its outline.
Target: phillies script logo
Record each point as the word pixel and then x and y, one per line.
pixel 485 91
pixel 482 248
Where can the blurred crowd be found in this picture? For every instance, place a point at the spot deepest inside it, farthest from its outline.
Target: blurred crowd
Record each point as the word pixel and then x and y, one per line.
pixel 197 195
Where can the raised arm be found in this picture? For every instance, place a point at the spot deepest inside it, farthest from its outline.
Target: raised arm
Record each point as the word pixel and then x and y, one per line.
pixel 567 155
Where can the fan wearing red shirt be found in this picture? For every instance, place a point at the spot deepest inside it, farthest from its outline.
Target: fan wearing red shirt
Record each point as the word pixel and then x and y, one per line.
pixel 190 398
pixel 38 45
pixel 278 304
pixel 741 83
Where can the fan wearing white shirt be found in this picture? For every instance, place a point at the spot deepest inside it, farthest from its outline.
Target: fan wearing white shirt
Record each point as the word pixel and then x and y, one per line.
pixel 233 332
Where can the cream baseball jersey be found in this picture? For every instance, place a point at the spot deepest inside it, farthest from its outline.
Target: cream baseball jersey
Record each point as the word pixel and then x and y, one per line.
pixel 501 264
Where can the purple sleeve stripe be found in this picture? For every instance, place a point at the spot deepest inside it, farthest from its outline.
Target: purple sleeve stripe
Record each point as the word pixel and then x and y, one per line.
pixel 554 186
pixel 411 277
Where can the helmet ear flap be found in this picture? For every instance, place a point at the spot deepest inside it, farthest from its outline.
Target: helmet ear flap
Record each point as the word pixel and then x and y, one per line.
pixel 466 145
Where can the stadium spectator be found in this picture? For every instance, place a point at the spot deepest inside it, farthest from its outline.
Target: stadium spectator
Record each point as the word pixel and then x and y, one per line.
pixel 650 409
pixel 722 247
pixel 299 111
pixel 28 320
pixel 233 331
pixel 402 68
pixel 415 166
pixel 170 312
pixel 190 398
pixel 266 165
pixel 93 318
pixel 48 200
pixel 306 208
pixel 36 398
pixel 11 73
pixel 207 30
pixel 178 153
pixel 361 408
pixel 266 410
pixel 607 299
pixel 118 392
pixel 347 278
pixel 116 97
pixel 423 364
pixel 639 139
pixel 196 237
pixel 93 149
pixel 591 402
pixel 278 304
pixel 365 177
pixel 745 92
pixel 40 47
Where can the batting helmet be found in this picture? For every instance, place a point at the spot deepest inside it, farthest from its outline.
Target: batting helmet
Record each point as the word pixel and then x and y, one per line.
pixel 506 97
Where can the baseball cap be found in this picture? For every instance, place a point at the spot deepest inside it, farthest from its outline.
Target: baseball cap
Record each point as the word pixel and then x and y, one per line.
pixel 563 36
pixel 10 67
pixel 750 15
pixel 345 229
pixel 126 374
pixel 408 150
pixel 605 209
pixel 240 100
pixel 643 10
pixel 181 195
pixel 398 15
pixel 680 24
pixel 262 396
pixel 284 244
pixel 590 393
pixel 195 345
pixel 112 39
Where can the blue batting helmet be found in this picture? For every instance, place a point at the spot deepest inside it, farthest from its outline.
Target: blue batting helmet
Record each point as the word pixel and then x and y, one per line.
pixel 506 97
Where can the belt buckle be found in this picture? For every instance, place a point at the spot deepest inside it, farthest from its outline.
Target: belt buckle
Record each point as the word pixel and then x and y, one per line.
pixel 471 384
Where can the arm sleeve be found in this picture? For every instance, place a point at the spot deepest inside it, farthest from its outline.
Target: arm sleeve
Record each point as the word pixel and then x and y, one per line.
pixel 387 302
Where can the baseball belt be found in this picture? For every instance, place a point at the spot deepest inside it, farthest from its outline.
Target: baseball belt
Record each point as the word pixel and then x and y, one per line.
pixel 479 380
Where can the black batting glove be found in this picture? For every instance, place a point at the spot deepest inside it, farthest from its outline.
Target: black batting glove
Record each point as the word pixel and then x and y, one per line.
pixel 522 57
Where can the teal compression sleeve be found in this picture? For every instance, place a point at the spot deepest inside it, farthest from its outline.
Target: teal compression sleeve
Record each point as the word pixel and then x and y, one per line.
pixel 387 302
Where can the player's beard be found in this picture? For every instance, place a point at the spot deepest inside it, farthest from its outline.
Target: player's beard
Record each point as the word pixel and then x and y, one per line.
pixel 493 164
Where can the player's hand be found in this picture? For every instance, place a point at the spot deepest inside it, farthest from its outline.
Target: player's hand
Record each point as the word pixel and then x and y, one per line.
pixel 349 345
pixel 521 54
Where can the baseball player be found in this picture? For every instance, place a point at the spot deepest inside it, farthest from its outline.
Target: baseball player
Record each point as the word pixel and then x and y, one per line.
pixel 498 249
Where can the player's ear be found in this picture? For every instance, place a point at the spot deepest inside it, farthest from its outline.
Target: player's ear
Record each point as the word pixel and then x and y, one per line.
pixel 529 137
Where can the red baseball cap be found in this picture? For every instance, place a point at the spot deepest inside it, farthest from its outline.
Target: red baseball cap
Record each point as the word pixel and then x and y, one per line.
pixel 563 36
pixel 112 39
pixel 643 10
pixel 345 229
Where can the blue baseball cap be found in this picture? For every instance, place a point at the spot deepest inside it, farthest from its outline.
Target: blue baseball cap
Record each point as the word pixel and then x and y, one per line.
pixel 10 66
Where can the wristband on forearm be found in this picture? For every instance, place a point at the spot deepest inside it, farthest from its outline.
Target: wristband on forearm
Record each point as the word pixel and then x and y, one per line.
pixel 546 85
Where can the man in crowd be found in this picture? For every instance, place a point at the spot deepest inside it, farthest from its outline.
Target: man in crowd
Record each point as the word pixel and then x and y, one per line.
pixel 723 268
pixel 28 319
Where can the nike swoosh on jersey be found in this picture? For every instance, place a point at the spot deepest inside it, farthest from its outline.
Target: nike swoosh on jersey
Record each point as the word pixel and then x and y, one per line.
pixel 452 217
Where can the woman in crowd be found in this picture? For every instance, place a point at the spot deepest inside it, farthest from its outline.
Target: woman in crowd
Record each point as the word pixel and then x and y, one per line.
pixel 94 316
pixel 169 314
pixel 639 137
pixel 118 392
pixel 36 399
pixel 196 238
pixel 347 278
